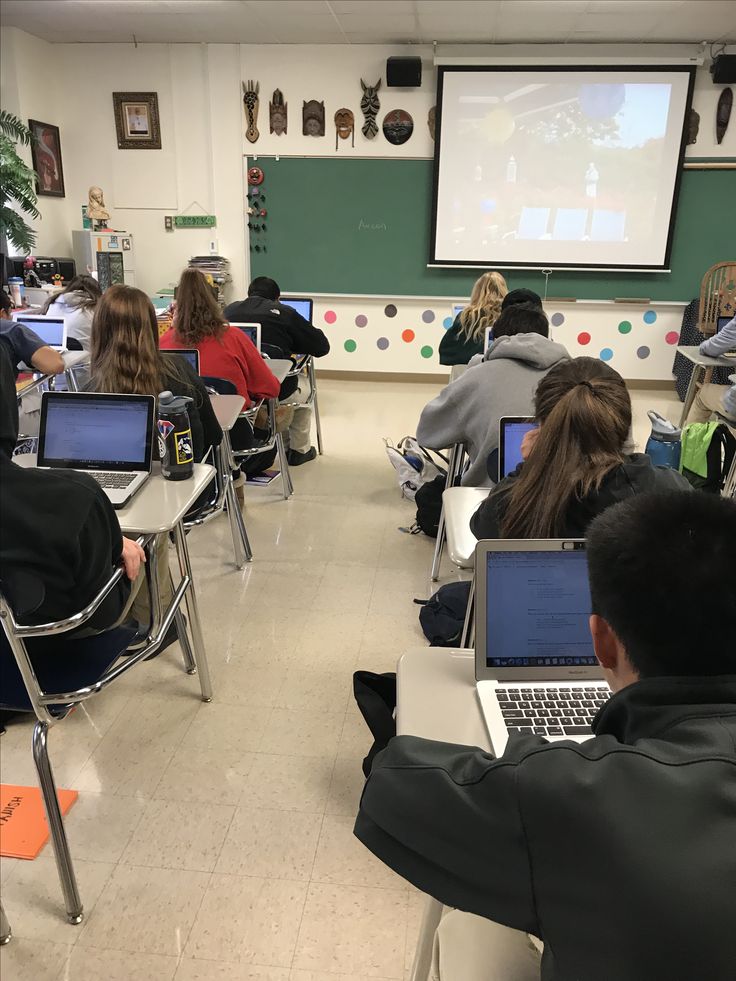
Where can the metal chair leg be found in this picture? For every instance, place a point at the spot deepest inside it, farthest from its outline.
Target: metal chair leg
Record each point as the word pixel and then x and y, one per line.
pixel 287 486
pixel 439 545
pixel 425 941
pixel 468 635
pixel 241 543
pixel 198 651
pixel 690 394
pixel 186 648
pixel 5 932
pixel 72 901
pixel 315 402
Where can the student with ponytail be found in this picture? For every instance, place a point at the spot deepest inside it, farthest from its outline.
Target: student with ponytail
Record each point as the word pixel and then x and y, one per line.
pixel 575 463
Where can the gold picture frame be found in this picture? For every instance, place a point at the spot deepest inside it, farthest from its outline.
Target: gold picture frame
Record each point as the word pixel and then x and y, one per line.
pixel 137 121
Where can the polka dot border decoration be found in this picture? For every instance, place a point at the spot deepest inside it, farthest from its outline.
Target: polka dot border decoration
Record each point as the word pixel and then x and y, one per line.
pixel 361 320
pixel 650 317
pixel 408 335
pixel 330 316
pixel 557 319
pixel 672 337
pixel 427 351
pixel 350 345
pixel 382 343
pixel 624 327
pixel 643 352
pixel 606 354
pixel 447 323
pixel 583 337
pixel 390 310
pixel 428 316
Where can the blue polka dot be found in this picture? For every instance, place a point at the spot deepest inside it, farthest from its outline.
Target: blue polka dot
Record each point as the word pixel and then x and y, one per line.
pixel 606 354
pixel 382 343
pixel 447 323
pixel 650 316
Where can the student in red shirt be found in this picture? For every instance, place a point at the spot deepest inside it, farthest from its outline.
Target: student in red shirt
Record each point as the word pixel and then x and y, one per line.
pixel 224 352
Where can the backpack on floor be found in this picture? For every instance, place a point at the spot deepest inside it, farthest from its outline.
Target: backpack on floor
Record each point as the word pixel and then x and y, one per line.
pixel 443 616
pixel 428 500
pixel 413 464
pixel 375 695
pixel 708 449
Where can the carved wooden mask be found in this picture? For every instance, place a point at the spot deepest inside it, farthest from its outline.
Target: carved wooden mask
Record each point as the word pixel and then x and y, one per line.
pixel 369 105
pixel 313 118
pixel 344 125
pixel 251 103
pixel 277 113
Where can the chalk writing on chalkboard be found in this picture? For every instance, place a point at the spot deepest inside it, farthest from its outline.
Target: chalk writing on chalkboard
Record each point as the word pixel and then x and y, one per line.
pixel 367 226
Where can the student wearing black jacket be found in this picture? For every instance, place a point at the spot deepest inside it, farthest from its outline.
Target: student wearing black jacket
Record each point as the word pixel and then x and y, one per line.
pixel 618 853
pixel 284 332
pixel 575 463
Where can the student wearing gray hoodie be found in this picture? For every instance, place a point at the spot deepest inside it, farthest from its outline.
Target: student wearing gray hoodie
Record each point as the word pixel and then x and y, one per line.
pixel 468 410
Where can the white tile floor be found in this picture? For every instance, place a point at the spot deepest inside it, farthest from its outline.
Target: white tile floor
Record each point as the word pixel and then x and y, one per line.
pixel 214 842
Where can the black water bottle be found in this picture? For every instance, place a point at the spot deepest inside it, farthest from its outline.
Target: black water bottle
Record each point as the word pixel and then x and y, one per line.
pixel 175 436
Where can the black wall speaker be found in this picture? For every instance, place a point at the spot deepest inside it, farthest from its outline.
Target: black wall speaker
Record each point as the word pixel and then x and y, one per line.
pixel 404 73
pixel 723 69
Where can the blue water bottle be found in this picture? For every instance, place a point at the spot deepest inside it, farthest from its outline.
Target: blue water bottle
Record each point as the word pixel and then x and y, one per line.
pixel 664 443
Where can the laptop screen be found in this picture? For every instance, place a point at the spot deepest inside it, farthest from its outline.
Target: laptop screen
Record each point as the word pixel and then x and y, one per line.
pixel 252 331
pixel 722 321
pixel 92 432
pixel 189 355
pixel 513 432
pixel 49 329
pixel 302 306
pixel 538 605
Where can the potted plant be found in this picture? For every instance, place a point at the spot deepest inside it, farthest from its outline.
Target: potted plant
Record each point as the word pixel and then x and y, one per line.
pixel 17 186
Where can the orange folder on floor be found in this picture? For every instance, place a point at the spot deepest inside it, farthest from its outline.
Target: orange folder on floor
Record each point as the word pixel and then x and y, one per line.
pixel 23 827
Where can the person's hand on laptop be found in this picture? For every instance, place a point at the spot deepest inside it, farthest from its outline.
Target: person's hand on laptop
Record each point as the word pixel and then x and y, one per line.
pixel 527 443
pixel 132 557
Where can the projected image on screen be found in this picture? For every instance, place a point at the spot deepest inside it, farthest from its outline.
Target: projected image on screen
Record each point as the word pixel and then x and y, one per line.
pixel 572 168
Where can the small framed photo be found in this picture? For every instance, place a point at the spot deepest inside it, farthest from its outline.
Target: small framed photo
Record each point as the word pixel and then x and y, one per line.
pixel 136 120
pixel 46 154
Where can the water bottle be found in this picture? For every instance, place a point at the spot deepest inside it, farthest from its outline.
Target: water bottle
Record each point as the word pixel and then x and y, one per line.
pixel 176 448
pixel 664 443
pixel 17 290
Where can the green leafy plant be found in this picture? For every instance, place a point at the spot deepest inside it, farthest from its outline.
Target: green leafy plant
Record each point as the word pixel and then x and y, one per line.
pixel 17 184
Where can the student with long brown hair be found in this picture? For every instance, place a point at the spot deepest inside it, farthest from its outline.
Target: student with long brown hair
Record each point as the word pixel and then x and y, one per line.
pixel 467 335
pixel 76 303
pixel 576 462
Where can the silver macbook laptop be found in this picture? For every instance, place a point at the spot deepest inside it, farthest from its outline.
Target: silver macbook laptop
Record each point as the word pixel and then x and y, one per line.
pixel 110 437
pixel 535 668
pixel 302 304
pixel 189 354
pixel 511 432
pixel 51 330
pixel 253 331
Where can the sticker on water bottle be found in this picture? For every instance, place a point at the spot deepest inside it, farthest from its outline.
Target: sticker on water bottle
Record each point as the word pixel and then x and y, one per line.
pixel 184 452
pixel 165 427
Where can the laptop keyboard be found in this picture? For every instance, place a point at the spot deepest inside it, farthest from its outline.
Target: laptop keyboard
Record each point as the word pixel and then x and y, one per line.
pixel 113 481
pixel 559 711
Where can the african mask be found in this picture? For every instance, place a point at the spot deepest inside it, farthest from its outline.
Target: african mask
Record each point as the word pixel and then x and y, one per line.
pixel 344 125
pixel 397 126
pixel 431 120
pixel 369 105
pixel 250 102
pixel 313 118
pixel 277 113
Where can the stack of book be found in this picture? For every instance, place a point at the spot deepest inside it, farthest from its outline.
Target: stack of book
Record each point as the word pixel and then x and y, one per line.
pixel 217 269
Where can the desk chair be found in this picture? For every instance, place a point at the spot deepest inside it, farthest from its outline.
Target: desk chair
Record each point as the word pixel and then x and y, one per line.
pixel 306 362
pixel 221 386
pixel 44 671
pixel 455 469
pixel 460 504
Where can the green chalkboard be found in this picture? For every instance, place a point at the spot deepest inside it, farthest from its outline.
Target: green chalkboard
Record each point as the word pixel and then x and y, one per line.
pixel 356 225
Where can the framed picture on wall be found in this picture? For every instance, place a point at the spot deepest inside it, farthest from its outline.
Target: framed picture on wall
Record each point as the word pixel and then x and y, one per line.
pixel 136 120
pixel 46 154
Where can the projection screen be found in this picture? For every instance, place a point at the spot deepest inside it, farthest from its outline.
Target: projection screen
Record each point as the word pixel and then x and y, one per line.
pixel 573 168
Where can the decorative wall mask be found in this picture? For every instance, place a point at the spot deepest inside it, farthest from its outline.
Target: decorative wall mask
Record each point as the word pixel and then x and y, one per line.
pixel 397 126
pixel 431 115
pixel 344 125
pixel 369 106
pixel 723 113
pixel 255 176
pixel 313 118
pixel 693 125
pixel 277 113
pixel 251 103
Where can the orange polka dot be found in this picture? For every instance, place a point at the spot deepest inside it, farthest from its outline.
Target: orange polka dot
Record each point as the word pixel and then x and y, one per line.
pixel 408 336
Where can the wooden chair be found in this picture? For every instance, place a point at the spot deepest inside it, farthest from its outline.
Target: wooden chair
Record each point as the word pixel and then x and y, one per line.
pixel 717 296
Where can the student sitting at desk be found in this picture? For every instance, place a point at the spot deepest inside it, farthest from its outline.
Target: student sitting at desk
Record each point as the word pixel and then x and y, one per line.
pixel 23 346
pixel 709 398
pixel 467 335
pixel 224 352
pixel 468 410
pixel 284 332
pixel 617 852
pixel 76 303
pixel 575 465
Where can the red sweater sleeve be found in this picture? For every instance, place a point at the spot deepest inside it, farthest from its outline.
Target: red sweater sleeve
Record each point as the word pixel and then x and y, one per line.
pixel 262 383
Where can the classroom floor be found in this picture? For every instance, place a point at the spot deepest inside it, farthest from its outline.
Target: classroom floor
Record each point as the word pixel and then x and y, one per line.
pixel 214 842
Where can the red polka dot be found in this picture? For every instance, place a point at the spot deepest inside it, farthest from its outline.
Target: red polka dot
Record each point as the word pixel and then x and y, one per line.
pixel 584 337
pixel 672 337
pixel 408 336
pixel 330 316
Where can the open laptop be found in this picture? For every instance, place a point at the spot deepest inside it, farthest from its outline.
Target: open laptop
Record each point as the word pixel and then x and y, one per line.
pixel 535 668
pixel 110 437
pixel 457 309
pixel 253 331
pixel 51 330
pixel 511 432
pixel 190 355
pixel 488 340
pixel 302 304
pixel 722 321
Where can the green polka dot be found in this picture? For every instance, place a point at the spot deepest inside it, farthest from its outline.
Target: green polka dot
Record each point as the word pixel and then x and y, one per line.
pixel 624 327
pixel 350 346
pixel 427 351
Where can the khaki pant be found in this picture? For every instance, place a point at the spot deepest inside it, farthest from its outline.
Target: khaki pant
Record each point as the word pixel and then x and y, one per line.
pixel 471 948
pixel 139 607
pixel 708 400
pixel 300 428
